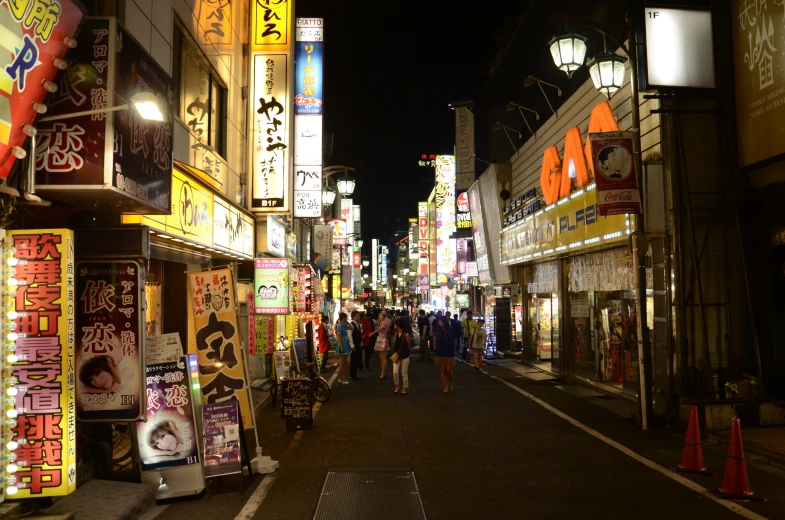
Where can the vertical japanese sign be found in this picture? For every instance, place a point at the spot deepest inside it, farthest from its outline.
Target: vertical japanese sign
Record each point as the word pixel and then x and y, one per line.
pixel 76 150
pixel 346 282
pixel 445 217
pixel 221 425
pixel 480 240
pixel 614 173
pixel 302 290
pixel 464 169
pixel 323 244
pixel 142 164
pixel 356 259
pixel 308 110
pixel 221 368
pixel 33 45
pixel 374 262
pixel 271 286
pixel 110 341
pixel 42 424
pixel 346 214
pixel 271 104
pixel 265 334
pixel 423 245
pixel 413 239
pixel 168 438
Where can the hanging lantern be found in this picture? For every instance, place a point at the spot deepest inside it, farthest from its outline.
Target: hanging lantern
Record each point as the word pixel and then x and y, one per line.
pixel 607 72
pixel 328 196
pixel 345 186
pixel 568 52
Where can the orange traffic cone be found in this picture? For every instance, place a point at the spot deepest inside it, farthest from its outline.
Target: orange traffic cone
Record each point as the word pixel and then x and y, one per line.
pixel 735 485
pixel 692 458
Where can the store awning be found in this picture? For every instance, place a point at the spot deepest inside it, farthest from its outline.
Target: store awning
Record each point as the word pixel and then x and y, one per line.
pixel 202 221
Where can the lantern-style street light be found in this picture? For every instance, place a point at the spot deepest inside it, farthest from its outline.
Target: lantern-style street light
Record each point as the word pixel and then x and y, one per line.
pixel 568 52
pixel 607 72
pixel 328 195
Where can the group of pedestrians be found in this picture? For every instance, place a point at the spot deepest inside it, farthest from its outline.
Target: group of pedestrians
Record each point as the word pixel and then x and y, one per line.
pixel 389 334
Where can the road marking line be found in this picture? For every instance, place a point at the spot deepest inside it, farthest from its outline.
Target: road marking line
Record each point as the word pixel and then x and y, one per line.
pixel 733 506
pixel 260 493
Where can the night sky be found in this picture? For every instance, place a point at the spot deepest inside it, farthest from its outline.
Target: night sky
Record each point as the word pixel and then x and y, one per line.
pixel 389 77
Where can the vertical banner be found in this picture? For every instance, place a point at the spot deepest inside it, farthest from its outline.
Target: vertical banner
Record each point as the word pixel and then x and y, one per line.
pixel 168 439
pixel 374 263
pixel 340 231
pixel 110 360
pixel 614 173
pixel 270 106
pixel 33 44
pixel 302 291
pixel 217 340
pixel 413 239
pixel 40 422
pixel 271 286
pixel 323 244
pixel 423 246
pixel 308 110
pixel 346 214
pixel 445 217
pixel 480 240
pixel 346 282
pixel 464 170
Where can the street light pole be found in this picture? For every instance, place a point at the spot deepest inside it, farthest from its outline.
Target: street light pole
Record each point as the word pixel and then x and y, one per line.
pixel 639 241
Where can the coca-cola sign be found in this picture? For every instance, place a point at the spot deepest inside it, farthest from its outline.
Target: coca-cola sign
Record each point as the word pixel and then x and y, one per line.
pixel 615 173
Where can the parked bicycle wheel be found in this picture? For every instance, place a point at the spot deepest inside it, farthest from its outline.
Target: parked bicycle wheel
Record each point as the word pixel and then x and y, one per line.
pixel 321 389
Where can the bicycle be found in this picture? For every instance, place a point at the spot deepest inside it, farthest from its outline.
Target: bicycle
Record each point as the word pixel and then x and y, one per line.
pixel 320 388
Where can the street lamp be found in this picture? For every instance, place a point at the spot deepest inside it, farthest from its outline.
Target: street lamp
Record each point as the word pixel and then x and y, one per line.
pixel 328 196
pixel 359 243
pixel 345 185
pixel 146 103
pixel 568 52
pixel 607 72
pixel 366 263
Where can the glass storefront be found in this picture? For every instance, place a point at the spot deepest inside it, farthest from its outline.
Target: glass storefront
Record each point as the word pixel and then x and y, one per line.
pixel 602 318
pixel 542 340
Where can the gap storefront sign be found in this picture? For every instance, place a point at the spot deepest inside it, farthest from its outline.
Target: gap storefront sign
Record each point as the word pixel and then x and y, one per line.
pixel 571 224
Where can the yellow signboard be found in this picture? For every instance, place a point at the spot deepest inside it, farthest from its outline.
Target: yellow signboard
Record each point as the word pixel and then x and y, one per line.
pixel 272 25
pixel 192 212
pixel 39 384
pixel 217 340
pixel 572 223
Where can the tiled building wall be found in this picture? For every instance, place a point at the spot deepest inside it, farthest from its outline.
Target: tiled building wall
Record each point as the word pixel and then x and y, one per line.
pixel 220 34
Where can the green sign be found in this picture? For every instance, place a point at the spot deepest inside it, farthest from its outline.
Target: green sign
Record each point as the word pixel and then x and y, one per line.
pixel 271 286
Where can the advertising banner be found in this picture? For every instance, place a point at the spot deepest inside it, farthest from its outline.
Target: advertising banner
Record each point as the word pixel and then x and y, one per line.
pixel 492 218
pixel 759 78
pixel 41 417
pixel 339 231
pixel 142 161
pixel 614 173
pixel 271 286
pixel 463 216
pixel 570 226
pixel 445 217
pixel 233 230
pixel 423 243
pixel 356 259
pixel 309 72
pixel 110 356
pixel 323 243
pixel 75 150
pixel 221 428
pixel 480 238
pixel 464 148
pixel 270 132
pixel 264 327
pixel 346 214
pixel 217 340
pixel 33 45
pixel 346 282
pixel 168 438
pixel 413 239
pixel 165 348
pixel 302 288
pixel 271 22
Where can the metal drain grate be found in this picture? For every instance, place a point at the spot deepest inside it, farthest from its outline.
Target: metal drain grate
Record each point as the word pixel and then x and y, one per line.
pixel 372 495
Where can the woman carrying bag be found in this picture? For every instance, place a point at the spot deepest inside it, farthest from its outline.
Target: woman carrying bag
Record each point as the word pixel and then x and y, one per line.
pixel 402 338
pixel 382 346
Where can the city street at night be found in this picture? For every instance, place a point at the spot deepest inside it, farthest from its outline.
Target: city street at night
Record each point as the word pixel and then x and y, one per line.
pixel 497 447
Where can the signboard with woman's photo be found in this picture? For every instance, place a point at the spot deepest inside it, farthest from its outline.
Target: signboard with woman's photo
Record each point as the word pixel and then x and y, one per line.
pixel 168 438
pixel 109 341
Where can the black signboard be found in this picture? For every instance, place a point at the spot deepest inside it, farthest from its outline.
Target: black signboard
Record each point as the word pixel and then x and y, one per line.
pixel 503 322
pixel 297 402
pixel 143 148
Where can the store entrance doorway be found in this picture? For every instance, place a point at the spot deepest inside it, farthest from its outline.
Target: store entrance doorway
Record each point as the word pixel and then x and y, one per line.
pixel 544 330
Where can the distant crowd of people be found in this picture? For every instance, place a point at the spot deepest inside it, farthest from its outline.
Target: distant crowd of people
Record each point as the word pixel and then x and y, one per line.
pixel 355 338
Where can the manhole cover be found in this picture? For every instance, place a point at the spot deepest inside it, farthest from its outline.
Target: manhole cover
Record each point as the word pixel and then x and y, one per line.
pixel 370 495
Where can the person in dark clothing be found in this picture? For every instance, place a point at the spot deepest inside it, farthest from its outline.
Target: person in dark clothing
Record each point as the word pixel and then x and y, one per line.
pixel 367 327
pixel 455 324
pixel 424 328
pixel 356 360
pixel 445 351
pixel 402 340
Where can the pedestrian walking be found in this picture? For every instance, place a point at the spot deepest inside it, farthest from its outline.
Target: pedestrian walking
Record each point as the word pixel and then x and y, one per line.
pixel 402 330
pixel 366 327
pixel 444 349
pixel 457 331
pixel 343 349
pixel 468 326
pixel 424 328
pixel 382 345
pixel 356 358
pixel 478 340
pixel 323 346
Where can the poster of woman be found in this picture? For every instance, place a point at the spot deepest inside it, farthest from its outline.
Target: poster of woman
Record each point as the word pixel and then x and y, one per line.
pixel 168 438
